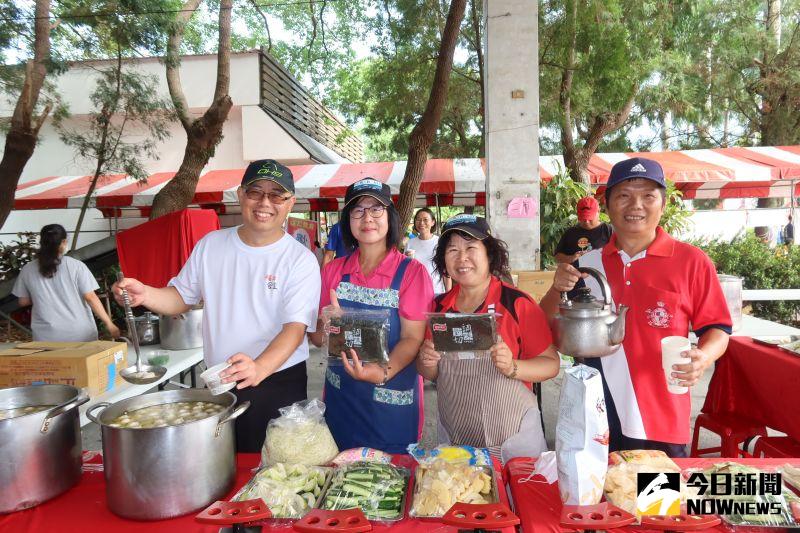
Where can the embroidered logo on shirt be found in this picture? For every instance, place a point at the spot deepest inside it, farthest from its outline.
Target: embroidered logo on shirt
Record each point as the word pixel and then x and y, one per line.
pixel 272 281
pixel 660 317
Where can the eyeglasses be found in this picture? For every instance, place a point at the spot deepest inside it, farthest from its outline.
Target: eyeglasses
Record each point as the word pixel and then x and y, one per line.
pixel 258 195
pixel 375 211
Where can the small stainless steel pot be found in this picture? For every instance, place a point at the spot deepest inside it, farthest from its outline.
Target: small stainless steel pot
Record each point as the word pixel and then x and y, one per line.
pixel 147 327
pixel 183 331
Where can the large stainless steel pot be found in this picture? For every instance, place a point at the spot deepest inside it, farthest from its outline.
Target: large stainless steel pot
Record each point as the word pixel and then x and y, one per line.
pixel 183 331
pixel 158 473
pixel 40 453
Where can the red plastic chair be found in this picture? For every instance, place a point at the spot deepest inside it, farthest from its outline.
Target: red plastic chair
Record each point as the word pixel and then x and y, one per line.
pixel 733 431
pixel 777 447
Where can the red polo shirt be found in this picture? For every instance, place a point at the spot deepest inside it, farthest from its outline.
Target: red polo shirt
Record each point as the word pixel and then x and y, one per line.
pixel 521 323
pixel 669 288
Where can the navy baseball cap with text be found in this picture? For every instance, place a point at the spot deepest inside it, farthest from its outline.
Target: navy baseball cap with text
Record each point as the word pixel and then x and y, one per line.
pixel 271 170
pixel 474 226
pixel 636 167
pixel 369 187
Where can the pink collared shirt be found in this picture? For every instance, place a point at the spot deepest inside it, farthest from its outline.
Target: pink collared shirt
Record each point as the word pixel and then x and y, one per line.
pixel 416 290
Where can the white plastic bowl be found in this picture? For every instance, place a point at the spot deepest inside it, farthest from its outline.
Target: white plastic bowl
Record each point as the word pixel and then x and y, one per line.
pixel 214 382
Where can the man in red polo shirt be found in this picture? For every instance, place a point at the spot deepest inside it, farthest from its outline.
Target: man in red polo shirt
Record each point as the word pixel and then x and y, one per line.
pixel 670 287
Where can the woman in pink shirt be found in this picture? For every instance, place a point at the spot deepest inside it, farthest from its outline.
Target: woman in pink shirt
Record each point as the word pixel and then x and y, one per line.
pixel 369 404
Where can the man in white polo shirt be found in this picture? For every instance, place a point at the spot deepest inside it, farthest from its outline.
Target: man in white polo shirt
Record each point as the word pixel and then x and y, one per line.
pixel 260 290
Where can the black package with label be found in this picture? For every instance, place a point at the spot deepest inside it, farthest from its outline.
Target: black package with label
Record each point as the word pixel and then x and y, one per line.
pixel 463 332
pixel 363 332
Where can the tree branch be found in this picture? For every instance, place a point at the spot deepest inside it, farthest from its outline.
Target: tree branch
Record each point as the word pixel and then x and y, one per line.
pixel 266 24
pixel 224 51
pixel 173 62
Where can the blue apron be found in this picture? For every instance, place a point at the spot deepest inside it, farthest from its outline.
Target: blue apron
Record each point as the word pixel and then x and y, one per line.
pixel 360 413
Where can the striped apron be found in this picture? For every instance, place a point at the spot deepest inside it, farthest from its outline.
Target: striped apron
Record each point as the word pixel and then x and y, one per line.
pixel 479 406
pixel 359 413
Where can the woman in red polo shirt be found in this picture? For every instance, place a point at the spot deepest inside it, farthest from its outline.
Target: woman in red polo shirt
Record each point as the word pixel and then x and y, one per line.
pixel 488 402
pixel 367 404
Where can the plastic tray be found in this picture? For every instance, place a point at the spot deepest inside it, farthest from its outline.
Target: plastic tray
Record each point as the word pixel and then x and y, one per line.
pixel 403 501
pixel 328 473
pixel 494 495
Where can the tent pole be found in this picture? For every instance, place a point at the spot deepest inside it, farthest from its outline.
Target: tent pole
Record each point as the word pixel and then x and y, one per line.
pixel 438 212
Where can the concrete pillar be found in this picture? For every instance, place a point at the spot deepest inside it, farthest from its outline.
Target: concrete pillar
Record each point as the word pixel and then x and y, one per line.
pixel 512 125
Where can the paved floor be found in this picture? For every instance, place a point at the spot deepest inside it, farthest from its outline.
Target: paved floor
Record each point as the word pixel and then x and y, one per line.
pixel 550 393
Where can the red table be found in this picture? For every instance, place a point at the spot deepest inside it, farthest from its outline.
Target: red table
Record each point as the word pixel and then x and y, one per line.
pixel 759 382
pixel 538 504
pixel 83 510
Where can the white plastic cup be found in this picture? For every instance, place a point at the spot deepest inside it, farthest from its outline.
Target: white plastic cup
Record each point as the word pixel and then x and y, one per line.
pixel 410 253
pixel 214 382
pixel 671 350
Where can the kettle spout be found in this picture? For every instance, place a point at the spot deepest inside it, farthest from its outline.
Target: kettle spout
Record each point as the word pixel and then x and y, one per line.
pixel 616 329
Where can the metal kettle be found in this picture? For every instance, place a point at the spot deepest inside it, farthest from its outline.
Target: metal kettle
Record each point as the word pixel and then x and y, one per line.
pixel 586 326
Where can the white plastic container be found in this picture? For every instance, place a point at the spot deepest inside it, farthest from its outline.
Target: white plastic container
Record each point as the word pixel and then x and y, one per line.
pixel 671 350
pixel 214 382
pixel 732 289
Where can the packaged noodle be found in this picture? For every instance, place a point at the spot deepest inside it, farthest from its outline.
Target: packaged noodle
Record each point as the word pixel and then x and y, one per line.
pixel 463 335
pixel 361 454
pixel 299 436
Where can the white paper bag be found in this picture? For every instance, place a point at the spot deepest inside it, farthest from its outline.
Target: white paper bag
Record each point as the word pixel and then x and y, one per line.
pixel 582 437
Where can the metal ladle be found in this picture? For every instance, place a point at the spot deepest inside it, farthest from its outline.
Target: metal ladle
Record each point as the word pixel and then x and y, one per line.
pixel 137 374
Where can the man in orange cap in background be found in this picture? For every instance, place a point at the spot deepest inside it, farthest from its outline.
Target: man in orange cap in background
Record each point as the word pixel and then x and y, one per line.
pixel 589 234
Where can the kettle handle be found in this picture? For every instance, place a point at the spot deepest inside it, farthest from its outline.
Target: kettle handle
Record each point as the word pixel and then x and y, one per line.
pixel 601 280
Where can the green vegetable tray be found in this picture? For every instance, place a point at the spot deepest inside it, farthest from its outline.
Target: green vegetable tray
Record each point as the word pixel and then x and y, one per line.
pixel 288 476
pixel 337 493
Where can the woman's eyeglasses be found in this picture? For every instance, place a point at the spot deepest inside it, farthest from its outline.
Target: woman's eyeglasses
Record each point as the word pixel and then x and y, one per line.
pixel 257 195
pixel 374 211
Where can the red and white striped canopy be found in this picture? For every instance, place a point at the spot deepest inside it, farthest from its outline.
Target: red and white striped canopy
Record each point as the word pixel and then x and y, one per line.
pixel 713 173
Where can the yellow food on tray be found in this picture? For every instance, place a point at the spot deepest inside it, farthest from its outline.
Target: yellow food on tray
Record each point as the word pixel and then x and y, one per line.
pixel 441 484
pixel 620 487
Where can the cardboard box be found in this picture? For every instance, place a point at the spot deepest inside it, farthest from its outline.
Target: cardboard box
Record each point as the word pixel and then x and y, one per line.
pixel 534 282
pixel 94 365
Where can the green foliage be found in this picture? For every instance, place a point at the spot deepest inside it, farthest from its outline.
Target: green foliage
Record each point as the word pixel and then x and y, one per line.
pixel 557 201
pixel 675 219
pixel 761 267
pixel 16 254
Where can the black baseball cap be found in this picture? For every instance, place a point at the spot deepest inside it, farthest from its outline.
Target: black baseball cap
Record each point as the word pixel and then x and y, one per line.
pixel 369 187
pixel 271 170
pixel 636 167
pixel 472 225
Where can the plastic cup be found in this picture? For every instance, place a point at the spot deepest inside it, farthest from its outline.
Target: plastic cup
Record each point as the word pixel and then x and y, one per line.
pixel 671 349
pixel 410 253
pixel 214 382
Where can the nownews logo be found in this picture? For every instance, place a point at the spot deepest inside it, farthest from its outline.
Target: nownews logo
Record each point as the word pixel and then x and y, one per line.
pixel 659 494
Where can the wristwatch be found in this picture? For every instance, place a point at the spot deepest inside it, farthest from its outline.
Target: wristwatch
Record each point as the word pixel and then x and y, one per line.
pixel 513 373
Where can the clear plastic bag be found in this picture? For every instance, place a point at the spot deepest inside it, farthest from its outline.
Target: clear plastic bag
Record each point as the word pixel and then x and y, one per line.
pixel 364 331
pixel 463 335
pixel 456 455
pixel 290 491
pixel 299 436
pixel 439 485
pixel 378 489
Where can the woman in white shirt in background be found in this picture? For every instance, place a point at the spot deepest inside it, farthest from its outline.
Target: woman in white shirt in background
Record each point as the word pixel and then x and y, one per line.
pixel 424 246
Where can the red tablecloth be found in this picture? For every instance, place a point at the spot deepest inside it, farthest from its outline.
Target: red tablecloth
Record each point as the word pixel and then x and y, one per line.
pixel 83 510
pixel 538 504
pixel 154 252
pixel 758 382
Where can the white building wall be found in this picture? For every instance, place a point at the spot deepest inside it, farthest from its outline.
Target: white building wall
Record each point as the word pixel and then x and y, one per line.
pixel 248 134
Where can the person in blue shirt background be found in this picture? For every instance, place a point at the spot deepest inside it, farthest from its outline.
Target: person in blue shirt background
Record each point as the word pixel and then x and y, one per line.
pixel 335 247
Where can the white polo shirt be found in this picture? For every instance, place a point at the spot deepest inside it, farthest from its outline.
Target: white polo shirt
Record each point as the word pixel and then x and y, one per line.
pixel 250 293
